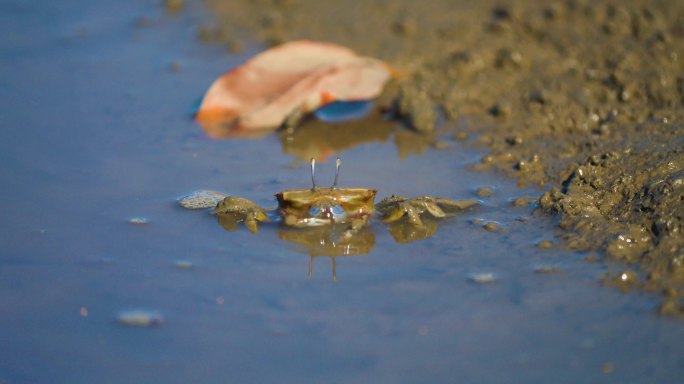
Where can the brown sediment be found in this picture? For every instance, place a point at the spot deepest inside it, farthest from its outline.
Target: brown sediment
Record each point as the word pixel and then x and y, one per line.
pixel 584 99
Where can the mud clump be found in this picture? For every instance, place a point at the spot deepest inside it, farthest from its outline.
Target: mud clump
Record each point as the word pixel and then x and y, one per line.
pixel 584 99
pixel 417 108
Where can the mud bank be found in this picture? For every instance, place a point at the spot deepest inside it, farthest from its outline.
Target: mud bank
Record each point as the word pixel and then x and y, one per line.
pixel 584 99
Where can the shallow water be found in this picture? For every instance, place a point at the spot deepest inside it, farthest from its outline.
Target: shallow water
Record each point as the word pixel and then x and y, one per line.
pixel 96 130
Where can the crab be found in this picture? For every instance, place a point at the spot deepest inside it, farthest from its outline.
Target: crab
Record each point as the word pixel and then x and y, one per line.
pixel 409 219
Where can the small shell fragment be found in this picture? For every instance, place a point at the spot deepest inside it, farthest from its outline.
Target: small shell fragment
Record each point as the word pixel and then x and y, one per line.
pixel 201 199
pixel 140 318
pixel 138 220
pixel 482 277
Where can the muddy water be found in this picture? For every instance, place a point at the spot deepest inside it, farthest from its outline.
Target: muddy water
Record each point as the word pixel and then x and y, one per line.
pixel 96 131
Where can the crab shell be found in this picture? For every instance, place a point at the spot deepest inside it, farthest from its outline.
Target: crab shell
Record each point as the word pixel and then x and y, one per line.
pixel 324 206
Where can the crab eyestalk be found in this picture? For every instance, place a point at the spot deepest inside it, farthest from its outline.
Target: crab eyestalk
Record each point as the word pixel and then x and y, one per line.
pixel 338 162
pixel 313 173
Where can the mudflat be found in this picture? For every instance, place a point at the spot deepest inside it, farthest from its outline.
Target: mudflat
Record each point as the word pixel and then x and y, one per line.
pixel 584 99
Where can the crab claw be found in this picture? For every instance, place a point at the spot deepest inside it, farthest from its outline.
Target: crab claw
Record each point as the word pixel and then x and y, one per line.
pixel 251 221
pixel 231 221
pixel 401 211
pixel 435 210
pixel 393 216
pixel 232 210
pixel 414 217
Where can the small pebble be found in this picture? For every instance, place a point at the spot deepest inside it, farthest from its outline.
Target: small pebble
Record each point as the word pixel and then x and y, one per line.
pixel 173 5
pixel 546 269
pixel 523 201
pixel 183 264
pixel 140 318
pixel 608 367
pixel 484 192
pixel 138 220
pixel 627 277
pixel 175 67
pixel 461 136
pixel 482 278
pixel 440 145
pixel 670 307
pixel 503 109
pixel 487 159
pixel 491 226
pixel 545 244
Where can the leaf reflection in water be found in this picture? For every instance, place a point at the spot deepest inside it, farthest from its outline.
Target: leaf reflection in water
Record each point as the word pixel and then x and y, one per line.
pixel 321 140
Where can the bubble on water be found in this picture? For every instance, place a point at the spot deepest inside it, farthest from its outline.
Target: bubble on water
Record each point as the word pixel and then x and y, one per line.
pixel 143 318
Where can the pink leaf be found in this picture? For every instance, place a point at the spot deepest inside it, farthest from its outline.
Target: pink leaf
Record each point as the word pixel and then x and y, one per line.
pixel 296 77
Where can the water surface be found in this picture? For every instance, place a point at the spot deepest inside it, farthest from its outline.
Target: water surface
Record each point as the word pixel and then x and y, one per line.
pixel 96 130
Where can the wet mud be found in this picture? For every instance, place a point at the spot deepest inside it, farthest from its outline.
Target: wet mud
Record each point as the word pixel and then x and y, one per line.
pixel 584 99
